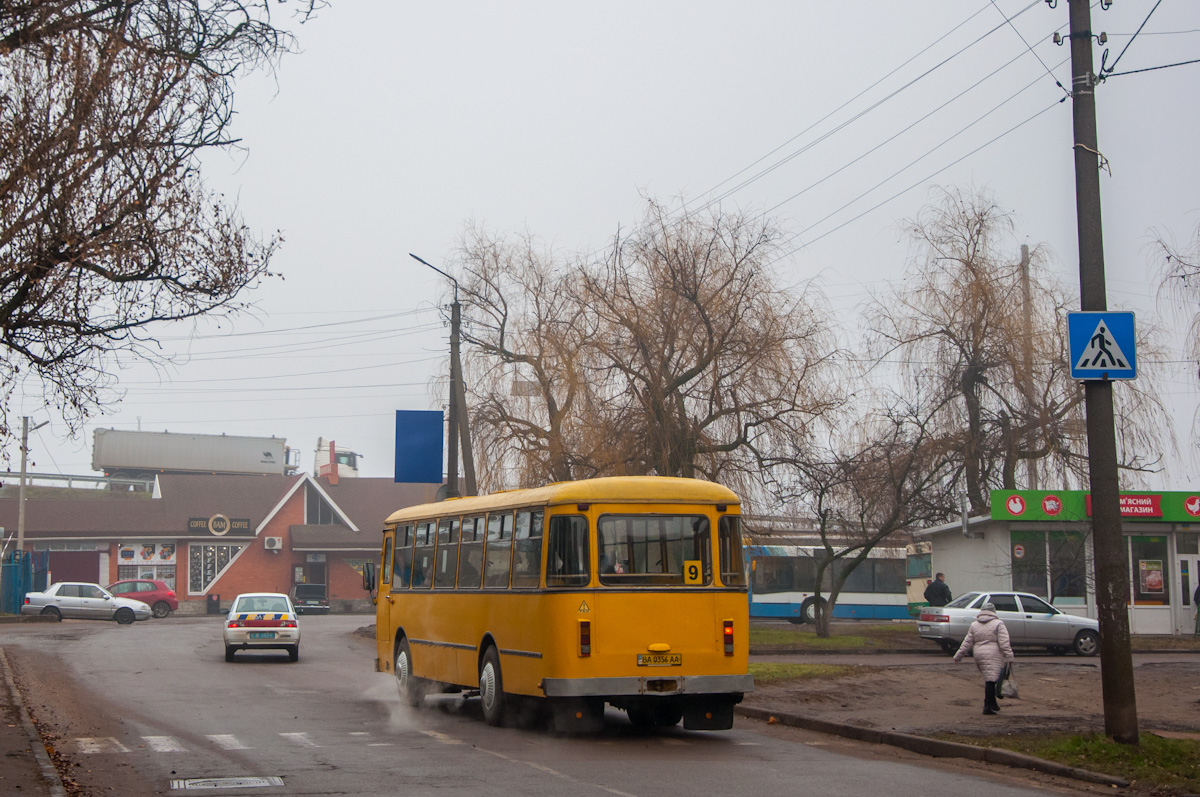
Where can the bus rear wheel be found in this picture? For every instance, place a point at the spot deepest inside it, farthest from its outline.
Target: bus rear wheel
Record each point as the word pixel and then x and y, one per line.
pixel 808 609
pixel 412 689
pixel 491 688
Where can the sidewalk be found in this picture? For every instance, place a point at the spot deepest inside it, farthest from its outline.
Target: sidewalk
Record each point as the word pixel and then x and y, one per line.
pixel 25 767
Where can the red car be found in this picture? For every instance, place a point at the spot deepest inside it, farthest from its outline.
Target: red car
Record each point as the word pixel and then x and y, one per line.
pixel 155 594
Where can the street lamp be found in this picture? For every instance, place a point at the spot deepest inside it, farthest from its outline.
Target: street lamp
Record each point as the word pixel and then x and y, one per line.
pixel 455 429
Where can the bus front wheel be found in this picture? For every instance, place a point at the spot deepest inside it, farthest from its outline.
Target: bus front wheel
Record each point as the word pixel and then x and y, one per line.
pixel 491 687
pixel 412 689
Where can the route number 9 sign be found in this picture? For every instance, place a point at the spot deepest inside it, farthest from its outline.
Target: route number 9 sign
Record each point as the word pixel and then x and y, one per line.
pixel 693 572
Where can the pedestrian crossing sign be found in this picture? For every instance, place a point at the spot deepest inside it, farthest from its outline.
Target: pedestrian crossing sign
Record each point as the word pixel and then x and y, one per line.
pixel 1102 345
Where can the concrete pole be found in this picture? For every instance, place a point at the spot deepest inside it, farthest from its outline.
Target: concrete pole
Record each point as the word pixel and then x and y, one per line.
pixel 1111 569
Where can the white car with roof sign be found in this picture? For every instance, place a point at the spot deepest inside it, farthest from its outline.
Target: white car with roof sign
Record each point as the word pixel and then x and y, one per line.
pixel 262 621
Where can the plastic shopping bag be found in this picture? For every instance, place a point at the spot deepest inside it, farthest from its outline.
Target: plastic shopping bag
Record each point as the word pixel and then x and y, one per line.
pixel 1008 686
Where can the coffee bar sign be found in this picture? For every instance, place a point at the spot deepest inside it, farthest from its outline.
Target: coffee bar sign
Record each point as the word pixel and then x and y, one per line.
pixel 218 525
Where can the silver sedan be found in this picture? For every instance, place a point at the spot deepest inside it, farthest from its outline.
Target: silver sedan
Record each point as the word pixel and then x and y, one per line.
pixel 1030 621
pixel 84 601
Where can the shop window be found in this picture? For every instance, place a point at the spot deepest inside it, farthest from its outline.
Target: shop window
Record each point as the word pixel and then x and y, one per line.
pixel 1028 552
pixel 1068 568
pixel 1187 543
pixel 1149 576
pixel 206 563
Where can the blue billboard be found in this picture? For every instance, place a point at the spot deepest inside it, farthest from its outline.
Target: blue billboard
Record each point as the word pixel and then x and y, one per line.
pixel 419 446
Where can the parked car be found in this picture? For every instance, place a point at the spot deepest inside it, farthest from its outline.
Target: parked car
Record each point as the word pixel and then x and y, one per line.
pixel 155 594
pixel 1030 620
pixel 84 602
pixel 310 598
pixel 262 621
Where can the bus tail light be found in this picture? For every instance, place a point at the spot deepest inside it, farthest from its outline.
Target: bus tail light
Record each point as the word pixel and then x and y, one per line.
pixel 585 637
pixel 729 637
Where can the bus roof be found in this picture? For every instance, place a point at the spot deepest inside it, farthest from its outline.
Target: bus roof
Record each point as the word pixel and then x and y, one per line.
pixel 607 490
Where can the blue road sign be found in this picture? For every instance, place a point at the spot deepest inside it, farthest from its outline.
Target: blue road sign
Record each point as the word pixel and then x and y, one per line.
pixel 1103 345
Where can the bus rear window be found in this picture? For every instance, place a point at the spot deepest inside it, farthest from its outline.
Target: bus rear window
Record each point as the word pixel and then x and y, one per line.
pixel 650 550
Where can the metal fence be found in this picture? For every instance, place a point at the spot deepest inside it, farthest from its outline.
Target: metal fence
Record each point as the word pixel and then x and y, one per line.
pixel 21 572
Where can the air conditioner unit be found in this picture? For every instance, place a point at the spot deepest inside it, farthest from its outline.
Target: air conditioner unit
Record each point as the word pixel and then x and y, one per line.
pixel 273 543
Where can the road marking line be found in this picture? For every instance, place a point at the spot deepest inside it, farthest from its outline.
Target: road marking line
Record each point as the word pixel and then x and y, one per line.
pixel 164 744
pixel 300 739
pixel 360 733
pixel 228 741
pixel 102 744
pixel 441 737
pixel 380 744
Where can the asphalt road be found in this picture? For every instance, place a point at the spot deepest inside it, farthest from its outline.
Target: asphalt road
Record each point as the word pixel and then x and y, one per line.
pixel 134 708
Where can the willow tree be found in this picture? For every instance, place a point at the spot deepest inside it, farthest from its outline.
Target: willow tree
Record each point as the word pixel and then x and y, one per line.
pixel 981 327
pixel 106 227
pixel 677 353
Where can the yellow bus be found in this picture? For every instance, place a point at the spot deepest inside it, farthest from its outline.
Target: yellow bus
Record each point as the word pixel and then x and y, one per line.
pixel 629 591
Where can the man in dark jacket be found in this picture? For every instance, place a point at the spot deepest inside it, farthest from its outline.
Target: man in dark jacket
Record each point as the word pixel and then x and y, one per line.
pixel 937 593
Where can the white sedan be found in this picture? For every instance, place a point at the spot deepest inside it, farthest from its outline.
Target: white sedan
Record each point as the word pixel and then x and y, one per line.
pixel 262 621
pixel 1030 621
pixel 85 602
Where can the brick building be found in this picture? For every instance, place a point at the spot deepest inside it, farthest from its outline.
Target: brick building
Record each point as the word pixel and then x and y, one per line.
pixel 213 537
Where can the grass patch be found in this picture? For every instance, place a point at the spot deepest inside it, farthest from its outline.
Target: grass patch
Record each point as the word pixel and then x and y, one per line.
pixel 1171 764
pixel 1143 642
pixel 842 637
pixel 768 672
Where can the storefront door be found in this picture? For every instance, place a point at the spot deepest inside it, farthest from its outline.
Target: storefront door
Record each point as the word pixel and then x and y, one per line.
pixel 1189 572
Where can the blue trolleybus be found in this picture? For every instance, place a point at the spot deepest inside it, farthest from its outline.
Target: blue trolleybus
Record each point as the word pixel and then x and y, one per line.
pixel 783 584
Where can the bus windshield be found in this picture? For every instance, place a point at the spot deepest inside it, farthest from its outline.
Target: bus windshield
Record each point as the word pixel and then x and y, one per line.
pixel 641 550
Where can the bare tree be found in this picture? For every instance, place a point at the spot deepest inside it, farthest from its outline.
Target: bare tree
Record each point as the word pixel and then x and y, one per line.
pixel 527 335
pixel 675 355
pixel 880 476
pixel 106 228
pixel 711 368
pixel 998 365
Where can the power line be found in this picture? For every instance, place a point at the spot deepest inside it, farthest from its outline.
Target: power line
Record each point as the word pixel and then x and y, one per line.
pixel 1150 69
pixel 1030 49
pixel 1128 44
pixel 911 187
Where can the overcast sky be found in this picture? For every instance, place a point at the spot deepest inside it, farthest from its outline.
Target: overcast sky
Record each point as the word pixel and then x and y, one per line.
pixel 401 122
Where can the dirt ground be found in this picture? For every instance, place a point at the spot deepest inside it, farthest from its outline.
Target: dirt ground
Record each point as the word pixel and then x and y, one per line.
pixel 929 698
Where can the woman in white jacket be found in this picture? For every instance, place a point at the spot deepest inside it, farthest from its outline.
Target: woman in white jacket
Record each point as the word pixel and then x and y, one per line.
pixel 988 639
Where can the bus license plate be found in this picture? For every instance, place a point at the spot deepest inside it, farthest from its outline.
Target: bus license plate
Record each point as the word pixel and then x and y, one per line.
pixel 660 660
pixel 262 634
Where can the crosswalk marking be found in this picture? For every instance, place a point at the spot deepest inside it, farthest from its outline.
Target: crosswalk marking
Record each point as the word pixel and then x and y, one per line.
pixel 441 737
pixel 227 741
pixel 300 739
pixel 164 744
pixel 101 744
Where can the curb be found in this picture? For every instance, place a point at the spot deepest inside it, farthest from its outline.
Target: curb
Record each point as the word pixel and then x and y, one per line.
pixel 937 748
pixel 49 773
pixel 26 618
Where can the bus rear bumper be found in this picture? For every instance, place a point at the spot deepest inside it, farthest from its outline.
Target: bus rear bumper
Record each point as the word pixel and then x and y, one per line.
pixel 657 685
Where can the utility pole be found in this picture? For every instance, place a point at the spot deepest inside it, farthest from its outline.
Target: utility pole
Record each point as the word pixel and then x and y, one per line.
pixel 456 428
pixel 1111 569
pixel 25 430
pixel 1027 365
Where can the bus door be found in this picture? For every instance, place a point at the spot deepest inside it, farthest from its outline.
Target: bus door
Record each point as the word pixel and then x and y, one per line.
pixel 383 605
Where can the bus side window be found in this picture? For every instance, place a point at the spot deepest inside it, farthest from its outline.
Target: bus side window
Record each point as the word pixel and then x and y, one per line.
pixel 567 552
pixel 729 541
pixel 499 550
pixel 527 560
pixel 422 577
pixel 470 553
pixel 402 574
pixel 385 566
pixel 447 553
